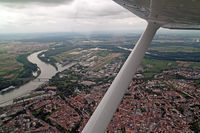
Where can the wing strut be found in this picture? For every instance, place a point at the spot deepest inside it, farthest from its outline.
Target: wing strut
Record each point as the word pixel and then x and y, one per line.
pixel 108 105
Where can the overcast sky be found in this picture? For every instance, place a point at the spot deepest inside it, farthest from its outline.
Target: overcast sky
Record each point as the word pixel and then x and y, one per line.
pixel 26 16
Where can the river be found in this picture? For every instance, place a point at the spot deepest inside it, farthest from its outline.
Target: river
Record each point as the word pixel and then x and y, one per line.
pixel 47 72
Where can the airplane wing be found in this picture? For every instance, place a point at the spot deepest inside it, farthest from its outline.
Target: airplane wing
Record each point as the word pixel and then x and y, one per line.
pixel 175 14
pixel 172 14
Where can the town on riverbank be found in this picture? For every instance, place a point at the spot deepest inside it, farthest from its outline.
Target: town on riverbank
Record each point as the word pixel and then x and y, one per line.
pixel 163 95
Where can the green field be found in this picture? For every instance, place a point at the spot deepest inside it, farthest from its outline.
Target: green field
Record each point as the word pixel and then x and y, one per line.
pixel 66 55
pixel 103 53
pixel 9 66
pixel 153 67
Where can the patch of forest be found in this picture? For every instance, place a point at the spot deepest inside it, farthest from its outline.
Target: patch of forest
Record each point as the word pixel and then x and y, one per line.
pixel 174 56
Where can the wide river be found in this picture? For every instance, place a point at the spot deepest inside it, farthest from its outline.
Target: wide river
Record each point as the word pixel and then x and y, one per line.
pixel 47 72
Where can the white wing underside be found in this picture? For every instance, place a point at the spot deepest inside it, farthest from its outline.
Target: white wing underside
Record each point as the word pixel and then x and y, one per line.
pixel 173 14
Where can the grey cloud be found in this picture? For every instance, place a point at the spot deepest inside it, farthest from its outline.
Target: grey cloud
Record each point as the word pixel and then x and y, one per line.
pixel 111 12
pixel 106 9
pixel 63 15
pixel 104 12
pixel 17 3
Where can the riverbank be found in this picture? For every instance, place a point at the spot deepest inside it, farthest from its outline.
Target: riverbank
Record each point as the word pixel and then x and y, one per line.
pixel 19 75
pixel 47 72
